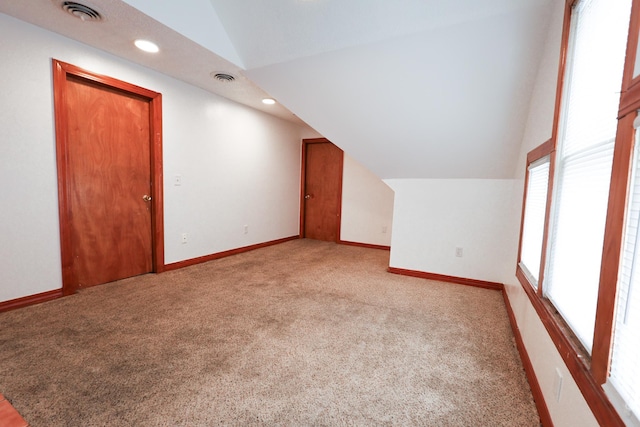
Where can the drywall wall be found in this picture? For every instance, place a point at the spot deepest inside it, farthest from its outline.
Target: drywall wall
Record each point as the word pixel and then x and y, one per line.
pixel 433 217
pixel 367 206
pixel 238 166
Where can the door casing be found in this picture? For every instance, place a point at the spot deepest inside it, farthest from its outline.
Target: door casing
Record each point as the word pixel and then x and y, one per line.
pixel 61 72
pixel 303 190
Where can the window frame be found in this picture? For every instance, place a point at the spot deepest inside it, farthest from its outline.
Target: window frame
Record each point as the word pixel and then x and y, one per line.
pixel 590 373
pixel 545 149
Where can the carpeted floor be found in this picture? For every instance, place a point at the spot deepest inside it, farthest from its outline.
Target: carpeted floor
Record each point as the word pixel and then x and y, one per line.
pixel 302 333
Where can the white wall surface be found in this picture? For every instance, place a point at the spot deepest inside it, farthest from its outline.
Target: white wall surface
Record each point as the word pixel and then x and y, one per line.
pixel 239 166
pixel 432 217
pixel 367 206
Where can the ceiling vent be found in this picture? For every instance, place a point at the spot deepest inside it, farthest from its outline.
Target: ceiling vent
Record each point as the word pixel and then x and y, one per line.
pixel 223 77
pixel 81 11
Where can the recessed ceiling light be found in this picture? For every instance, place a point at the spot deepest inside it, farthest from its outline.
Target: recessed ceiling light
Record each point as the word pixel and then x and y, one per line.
pixel 146 45
pixel 269 101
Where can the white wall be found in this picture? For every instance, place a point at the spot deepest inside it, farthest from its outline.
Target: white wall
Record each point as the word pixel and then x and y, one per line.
pixel 432 217
pixel 367 206
pixel 239 166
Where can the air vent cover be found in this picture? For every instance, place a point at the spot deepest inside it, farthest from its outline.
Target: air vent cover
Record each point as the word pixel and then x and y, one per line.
pixel 81 11
pixel 223 77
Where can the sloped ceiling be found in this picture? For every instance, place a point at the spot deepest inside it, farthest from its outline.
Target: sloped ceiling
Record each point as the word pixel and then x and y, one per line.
pixel 409 88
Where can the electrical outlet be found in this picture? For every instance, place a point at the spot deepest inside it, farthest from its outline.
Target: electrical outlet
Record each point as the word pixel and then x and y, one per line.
pixel 185 238
pixel 459 252
pixel 177 180
pixel 246 229
pixel 557 384
pixel 384 229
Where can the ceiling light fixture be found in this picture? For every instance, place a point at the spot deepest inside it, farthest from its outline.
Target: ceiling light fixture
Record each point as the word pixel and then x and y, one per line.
pixel 269 101
pixel 147 46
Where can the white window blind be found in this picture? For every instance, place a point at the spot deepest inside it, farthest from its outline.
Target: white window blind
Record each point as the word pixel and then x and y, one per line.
pixel 587 132
pixel 625 361
pixel 534 215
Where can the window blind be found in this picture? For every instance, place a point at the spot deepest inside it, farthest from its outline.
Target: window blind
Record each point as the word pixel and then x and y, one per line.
pixel 534 215
pixel 586 137
pixel 625 366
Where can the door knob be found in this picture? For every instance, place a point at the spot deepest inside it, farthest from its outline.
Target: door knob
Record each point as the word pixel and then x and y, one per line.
pixel 308 196
pixel 146 198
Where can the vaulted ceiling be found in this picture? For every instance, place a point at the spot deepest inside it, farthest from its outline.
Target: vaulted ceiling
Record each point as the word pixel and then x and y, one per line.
pixel 410 88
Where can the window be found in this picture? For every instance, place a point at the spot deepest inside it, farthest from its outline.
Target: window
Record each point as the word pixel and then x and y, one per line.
pixel 534 217
pixel 579 259
pixel 585 144
pixel 624 380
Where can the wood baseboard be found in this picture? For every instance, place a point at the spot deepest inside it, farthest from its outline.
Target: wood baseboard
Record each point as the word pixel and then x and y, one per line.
pixel 538 397
pixel 364 245
pixel 9 417
pixel 194 261
pixel 448 279
pixel 30 300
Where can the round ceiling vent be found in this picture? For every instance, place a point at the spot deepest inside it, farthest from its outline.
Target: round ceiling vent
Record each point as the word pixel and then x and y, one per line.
pixel 223 77
pixel 81 11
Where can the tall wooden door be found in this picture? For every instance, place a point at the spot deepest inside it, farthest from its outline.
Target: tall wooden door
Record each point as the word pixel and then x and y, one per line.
pixel 322 196
pixel 108 182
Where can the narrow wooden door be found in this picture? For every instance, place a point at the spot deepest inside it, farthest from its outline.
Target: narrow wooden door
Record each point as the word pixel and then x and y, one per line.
pixel 322 198
pixel 109 179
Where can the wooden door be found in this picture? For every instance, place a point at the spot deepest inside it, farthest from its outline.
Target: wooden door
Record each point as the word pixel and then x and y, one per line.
pixel 106 184
pixel 322 195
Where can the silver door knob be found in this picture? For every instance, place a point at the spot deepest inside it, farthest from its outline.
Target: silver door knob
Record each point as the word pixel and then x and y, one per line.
pixel 308 196
pixel 146 198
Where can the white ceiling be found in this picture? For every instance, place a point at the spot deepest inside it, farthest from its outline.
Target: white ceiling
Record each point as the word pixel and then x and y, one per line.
pixel 180 56
pixel 410 88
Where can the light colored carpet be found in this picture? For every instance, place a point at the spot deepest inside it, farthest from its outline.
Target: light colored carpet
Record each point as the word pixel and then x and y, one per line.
pixel 302 333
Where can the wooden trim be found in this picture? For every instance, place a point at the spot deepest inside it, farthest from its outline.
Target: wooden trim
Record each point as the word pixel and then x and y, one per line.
pixel 9 417
pixel 612 250
pixel 218 255
pixel 632 46
pixel 573 357
pixel 62 160
pixel 566 27
pixel 30 300
pixel 630 98
pixel 547 221
pixel 542 150
pixel 305 142
pixel 303 180
pixel 365 245
pixel 157 184
pixel 339 218
pixel 536 391
pixel 449 279
pixel 61 71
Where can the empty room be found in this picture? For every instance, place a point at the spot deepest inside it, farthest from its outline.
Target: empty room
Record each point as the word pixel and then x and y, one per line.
pixel 319 212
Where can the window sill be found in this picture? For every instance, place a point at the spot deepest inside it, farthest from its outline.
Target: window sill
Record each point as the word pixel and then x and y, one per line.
pixel 574 356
